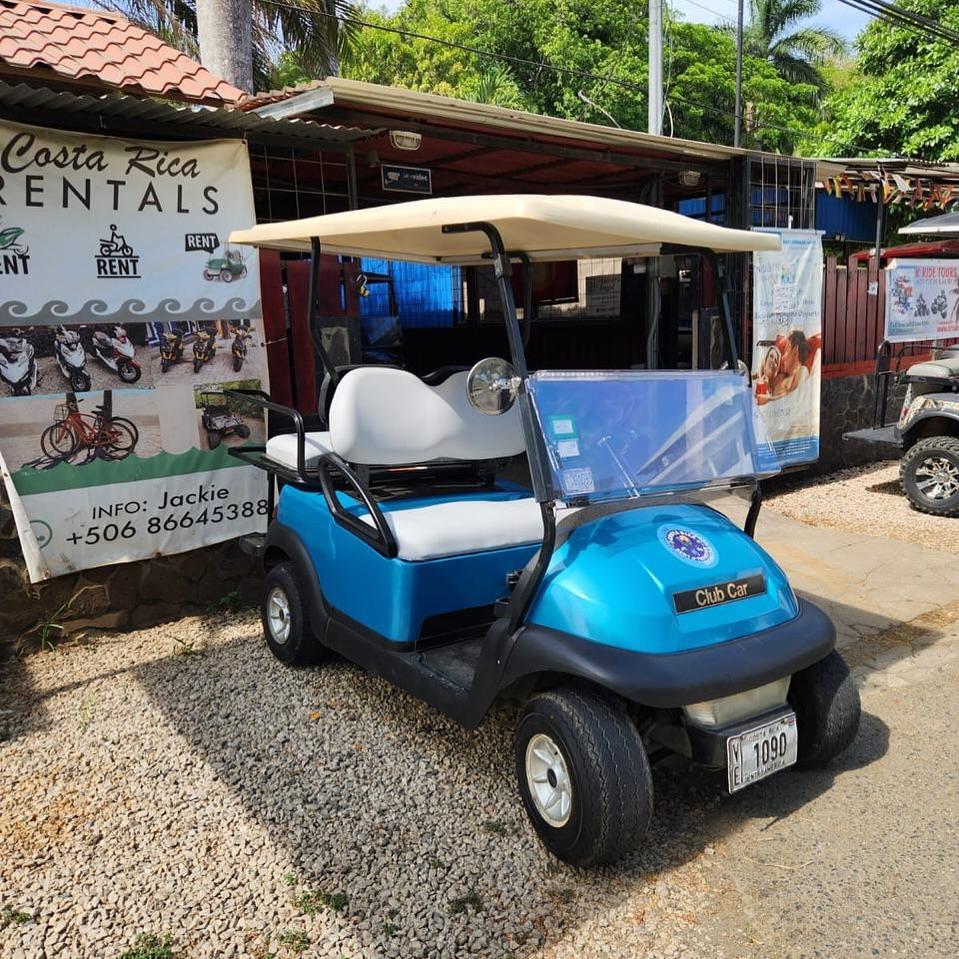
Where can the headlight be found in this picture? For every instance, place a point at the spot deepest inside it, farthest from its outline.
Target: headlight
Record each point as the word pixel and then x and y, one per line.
pixel 731 709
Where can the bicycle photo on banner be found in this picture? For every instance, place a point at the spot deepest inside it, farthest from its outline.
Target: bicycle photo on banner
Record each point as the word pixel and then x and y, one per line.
pixel 121 304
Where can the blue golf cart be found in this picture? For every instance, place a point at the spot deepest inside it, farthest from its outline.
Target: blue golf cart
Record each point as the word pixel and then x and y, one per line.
pixel 624 614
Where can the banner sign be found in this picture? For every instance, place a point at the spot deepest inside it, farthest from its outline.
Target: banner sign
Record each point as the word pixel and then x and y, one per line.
pixel 124 314
pixel 922 300
pixel 95 228
pixel 787 343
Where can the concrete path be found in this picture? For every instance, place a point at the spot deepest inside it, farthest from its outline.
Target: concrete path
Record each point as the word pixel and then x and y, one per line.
pixel 865 583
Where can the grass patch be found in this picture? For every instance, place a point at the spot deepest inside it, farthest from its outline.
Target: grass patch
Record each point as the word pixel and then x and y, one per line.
pixel 295 941
pixel 15 917
pixel 150 946
pixel 437 863
pixel 229 603
pixel 313 902
pixel 389 930
pixel 495 827
pixel 472 900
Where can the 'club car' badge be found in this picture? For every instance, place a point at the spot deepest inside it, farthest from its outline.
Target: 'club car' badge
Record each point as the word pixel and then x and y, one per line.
pixel 688 546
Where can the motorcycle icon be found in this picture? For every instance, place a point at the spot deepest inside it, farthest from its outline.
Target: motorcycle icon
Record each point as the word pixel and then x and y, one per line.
pixel 116 244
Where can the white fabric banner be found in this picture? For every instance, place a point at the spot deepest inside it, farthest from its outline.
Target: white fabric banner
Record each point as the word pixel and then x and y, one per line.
pixel 787 343
pixel 922 300
pixel 96 229
pixel 124 316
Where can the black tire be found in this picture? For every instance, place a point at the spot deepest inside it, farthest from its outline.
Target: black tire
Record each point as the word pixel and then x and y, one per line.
pixel 59 441
pixel 123 439
pixel 300 647
pixel 911 471
pixel 164 365
pixel 237 363
pixel 243 431
pixel 827 707
pixel 80 382
pixel 213 438
pixel 611 783
pixel 128 372
pixel 197 366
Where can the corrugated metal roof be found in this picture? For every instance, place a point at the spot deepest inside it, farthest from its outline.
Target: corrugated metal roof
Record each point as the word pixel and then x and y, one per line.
pixel 106 48
pixel 431 108
pixel 55 108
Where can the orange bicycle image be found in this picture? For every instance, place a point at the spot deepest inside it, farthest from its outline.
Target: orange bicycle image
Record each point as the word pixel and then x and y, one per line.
pixel 100 433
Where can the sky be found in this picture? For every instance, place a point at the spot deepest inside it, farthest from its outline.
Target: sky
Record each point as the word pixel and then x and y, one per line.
pixel 844 20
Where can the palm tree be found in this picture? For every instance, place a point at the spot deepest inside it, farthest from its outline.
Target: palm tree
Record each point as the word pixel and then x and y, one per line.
pixel 308 30
pixel 796 52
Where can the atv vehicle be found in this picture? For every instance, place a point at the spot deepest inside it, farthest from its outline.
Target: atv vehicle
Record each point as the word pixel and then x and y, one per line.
pixel 624 615
pixel 927 431
pixel 219 421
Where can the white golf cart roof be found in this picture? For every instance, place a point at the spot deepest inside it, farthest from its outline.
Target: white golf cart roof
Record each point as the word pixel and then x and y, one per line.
pixel 945 223
pixel 543 227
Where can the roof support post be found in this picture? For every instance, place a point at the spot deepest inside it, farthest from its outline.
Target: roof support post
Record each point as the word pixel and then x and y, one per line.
pixel 313 318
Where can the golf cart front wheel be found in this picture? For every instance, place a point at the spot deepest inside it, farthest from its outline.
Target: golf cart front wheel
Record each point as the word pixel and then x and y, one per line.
pixel 827 707
pixel 583 776
pixel 286 619
pixel 929 475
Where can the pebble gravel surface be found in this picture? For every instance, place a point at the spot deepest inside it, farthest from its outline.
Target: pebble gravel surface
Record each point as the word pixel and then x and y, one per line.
pixel 181 782
pixel 864 499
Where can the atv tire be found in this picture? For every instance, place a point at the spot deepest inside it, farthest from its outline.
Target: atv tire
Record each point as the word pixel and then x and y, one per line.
pixel 928 460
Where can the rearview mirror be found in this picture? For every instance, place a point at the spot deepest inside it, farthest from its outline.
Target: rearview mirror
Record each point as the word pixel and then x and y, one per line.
pixel 491 386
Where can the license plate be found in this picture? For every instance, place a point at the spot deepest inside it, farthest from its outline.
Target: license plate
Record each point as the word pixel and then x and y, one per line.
pixel 760 752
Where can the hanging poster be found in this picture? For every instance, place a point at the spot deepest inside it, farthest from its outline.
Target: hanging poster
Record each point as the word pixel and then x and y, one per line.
pixel 922 300
pixel 787 343
pixel 123 316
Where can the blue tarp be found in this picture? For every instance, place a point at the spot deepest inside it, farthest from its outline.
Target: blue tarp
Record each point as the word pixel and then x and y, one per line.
pixel 426 296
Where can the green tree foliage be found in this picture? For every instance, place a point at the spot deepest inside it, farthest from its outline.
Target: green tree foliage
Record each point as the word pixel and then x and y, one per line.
pixel 773 34
pixel 608 39
pixel 297 38
pixel 901 98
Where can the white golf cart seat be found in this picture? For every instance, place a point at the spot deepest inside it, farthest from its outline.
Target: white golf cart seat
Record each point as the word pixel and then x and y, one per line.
pixel 464 526
pixel 282 448
pixel 943 368
pixel 388 417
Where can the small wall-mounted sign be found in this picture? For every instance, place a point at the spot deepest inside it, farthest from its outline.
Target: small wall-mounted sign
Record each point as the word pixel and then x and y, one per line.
pixel 406 179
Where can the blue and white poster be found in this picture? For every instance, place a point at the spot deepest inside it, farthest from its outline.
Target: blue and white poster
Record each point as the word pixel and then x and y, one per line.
pixel 922 300
pixel 787 343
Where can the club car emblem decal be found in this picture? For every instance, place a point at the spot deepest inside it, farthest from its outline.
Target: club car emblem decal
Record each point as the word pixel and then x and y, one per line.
pixel 688 546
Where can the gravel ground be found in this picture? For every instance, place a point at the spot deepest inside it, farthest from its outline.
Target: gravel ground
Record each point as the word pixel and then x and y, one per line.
pixel 865 499
pixel 180 781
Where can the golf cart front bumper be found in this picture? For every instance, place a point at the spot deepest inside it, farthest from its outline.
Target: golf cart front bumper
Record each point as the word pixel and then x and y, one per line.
pixel 672 680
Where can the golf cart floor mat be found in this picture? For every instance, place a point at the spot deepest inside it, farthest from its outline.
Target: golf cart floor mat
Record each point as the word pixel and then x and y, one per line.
pixel 456 662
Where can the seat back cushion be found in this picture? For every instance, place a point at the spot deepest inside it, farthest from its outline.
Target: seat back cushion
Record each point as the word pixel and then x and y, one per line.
pixel 388 417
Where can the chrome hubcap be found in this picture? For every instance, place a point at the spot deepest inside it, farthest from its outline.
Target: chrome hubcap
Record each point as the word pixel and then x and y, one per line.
pixel 937 478
pixel 278 615
pixel 547 777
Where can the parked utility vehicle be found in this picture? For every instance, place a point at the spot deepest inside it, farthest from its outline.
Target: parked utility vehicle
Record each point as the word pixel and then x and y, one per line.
pixel 927 430
pixel 623 614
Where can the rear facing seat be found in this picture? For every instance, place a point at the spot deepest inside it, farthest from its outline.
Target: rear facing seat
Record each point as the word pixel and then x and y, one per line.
pixel 942 368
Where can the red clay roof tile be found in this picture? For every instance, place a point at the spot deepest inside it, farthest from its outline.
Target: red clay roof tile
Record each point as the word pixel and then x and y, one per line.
pixel 80 43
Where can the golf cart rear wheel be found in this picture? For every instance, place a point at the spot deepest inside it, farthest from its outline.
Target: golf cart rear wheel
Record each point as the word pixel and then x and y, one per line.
pixel 213 438
pixel 583 776
pixel 286 619
pixel 826 702
pixel 929 475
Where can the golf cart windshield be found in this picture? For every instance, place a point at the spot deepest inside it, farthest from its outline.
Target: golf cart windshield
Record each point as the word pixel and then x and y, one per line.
pixel 622 435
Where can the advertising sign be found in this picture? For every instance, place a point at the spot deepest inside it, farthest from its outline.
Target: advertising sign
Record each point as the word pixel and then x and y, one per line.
pixel 922 300
pixel 123 315
pixel 787 343
pixel 406 179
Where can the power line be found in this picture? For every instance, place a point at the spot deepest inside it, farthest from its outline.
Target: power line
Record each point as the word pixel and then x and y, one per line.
pixel 715 13
pixel 898 16
pixel 538 64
